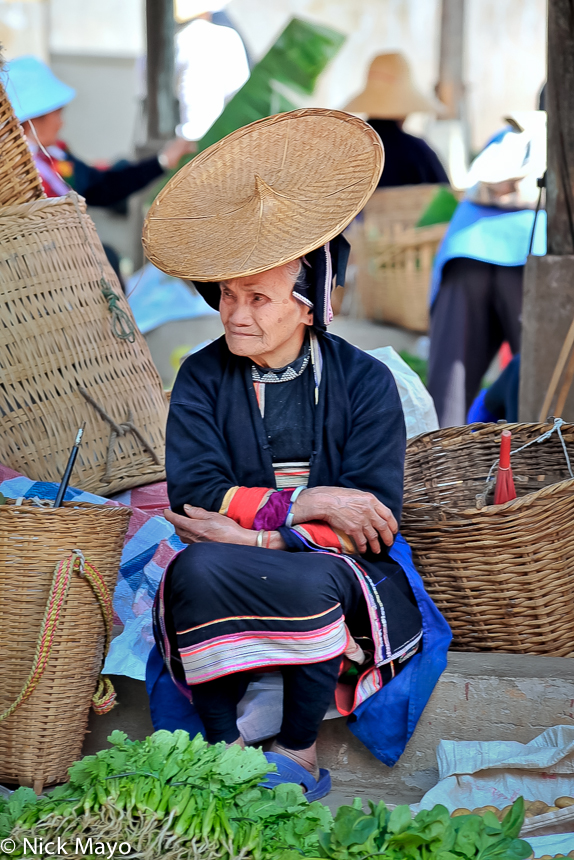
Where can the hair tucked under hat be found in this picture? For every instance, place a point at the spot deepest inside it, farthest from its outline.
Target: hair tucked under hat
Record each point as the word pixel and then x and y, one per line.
pixel 323 269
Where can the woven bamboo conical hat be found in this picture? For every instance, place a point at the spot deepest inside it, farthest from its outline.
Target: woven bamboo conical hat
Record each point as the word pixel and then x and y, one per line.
pixel 264 195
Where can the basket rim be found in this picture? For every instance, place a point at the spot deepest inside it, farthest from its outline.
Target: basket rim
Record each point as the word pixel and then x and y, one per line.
pixel 32 206
pixel 492 510
pixel 480 430
pixel 28 506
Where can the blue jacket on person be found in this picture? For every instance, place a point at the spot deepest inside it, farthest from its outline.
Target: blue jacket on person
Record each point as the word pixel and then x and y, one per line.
pixel 213 443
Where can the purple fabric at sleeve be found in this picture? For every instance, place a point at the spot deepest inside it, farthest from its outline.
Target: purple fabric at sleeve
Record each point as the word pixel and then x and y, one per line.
pixel 274 513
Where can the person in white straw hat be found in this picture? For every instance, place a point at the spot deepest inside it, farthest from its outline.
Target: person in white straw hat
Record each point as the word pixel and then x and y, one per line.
pixel 389 96
pixel 284 456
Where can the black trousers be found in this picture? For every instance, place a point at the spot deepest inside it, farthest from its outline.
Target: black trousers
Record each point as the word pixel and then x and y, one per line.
pixel 307 694
pixel 478 307
pixel 229 607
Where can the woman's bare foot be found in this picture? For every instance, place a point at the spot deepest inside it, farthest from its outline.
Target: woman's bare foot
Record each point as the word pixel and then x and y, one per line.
pixel 238 743
pixel 306 758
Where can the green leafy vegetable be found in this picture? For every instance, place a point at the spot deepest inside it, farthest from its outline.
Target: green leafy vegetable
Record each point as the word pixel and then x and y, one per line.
pixel 176 797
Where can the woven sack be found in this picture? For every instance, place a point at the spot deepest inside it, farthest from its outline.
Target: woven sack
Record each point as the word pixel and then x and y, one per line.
pixel 503 575
pixel 70 351
pixel 19 179
pixel 44 735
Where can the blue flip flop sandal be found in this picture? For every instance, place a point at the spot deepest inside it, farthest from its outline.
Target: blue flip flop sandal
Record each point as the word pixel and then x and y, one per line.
pixel 289 771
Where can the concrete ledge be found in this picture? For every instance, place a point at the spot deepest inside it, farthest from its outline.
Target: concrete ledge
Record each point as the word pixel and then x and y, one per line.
pixel 479 697
pixel 482 697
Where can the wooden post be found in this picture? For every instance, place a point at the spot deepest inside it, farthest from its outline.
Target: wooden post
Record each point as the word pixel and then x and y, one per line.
pixel 548 308
pixel 450 86
pixel 161 102
pixel 560 107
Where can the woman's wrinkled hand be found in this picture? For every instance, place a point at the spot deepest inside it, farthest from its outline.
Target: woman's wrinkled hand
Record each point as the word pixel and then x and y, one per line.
pixel 200 526
pixel 357 513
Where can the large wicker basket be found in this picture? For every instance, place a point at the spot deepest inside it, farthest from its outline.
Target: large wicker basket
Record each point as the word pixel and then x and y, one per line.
pixel 393 258
pixel 503 575
pixel 62 361
pixel 19 179
pixel 44 735
pixel 400 266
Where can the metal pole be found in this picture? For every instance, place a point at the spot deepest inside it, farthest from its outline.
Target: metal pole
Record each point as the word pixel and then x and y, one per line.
pixel 161 103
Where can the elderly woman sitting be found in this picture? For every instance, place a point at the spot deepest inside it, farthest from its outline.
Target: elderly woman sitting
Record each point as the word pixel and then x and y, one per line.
pixel 285 456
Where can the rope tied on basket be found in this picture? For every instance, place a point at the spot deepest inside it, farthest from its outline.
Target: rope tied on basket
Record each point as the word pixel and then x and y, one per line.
pixel 118 430
pixel 122 326
pixel 104 697
pixel 556 428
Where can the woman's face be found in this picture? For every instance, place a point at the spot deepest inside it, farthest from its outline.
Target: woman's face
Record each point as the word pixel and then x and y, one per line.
pixel 46 127
pixel 261 317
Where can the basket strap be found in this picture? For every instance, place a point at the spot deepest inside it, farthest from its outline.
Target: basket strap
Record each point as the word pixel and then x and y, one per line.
pixel 118 430
pixel 104 697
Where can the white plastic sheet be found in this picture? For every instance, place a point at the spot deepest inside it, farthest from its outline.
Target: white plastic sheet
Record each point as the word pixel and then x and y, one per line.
pixel 418 405
pixel 559 843
pixel 484 773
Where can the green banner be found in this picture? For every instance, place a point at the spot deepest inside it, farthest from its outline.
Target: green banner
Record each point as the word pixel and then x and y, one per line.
pixel 289 69
pixel 279 82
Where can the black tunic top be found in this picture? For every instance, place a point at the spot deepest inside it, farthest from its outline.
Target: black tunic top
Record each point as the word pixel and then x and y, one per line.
pixel 409 160
pixel 289 414
pixel 216 437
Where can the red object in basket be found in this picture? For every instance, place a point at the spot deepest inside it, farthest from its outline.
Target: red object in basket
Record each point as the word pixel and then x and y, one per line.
pixel 504 490
pixel 504 355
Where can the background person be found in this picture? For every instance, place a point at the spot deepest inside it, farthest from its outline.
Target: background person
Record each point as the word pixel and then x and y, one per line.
pixel 476 290
pixel 387 99
pixel 211 65
pixel 39 98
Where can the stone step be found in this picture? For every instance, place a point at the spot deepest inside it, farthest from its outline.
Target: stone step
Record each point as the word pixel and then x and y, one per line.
pixel 481 697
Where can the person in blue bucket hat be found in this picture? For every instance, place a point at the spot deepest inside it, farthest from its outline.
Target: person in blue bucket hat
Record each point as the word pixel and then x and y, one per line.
pixel 39 98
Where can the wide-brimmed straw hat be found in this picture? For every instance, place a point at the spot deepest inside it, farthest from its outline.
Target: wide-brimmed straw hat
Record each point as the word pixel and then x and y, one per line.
pixel 264 195
pixel 390 92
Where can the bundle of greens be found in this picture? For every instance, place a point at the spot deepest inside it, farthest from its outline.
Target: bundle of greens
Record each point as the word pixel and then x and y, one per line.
pixel 169 797
pixel 181 799
pixel 431 835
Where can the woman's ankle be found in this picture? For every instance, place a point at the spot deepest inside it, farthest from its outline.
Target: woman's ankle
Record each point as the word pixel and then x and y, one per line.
pixel 307 758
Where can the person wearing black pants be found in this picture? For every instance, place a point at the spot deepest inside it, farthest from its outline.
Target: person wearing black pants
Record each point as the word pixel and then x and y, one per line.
pixel 308 691
pixel 478 307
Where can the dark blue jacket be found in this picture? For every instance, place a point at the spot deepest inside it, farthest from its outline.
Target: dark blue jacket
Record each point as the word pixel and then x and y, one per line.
pixel 409 160
pixel 215 440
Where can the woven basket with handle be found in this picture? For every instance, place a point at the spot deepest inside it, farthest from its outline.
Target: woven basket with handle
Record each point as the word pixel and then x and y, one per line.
pixel 393 258
pixel 19 179
pixel 503 575
pixel 52 651
pixel 70 351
